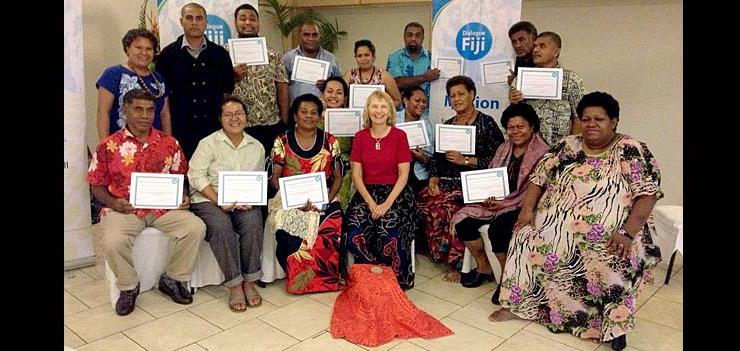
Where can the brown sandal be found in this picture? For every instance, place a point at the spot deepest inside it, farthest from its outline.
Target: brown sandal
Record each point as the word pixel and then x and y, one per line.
pixel 252 295
pixel 235 299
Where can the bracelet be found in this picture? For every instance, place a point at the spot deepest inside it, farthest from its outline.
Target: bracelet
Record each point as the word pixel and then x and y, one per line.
pixel 625 233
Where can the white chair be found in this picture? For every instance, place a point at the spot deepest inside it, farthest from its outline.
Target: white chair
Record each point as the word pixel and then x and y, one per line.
pixel 669 229
pixel 469 261
pixel 150 254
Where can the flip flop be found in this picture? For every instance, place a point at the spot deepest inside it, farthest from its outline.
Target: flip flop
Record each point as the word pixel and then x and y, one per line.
pixel 251 294
pixel 237 299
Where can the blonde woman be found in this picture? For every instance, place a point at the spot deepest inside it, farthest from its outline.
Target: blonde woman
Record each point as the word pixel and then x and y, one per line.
pixel 381 217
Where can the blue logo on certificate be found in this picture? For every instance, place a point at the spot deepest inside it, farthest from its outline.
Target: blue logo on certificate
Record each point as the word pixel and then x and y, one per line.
pixel 317 178
pixel 474 40
pixel 259 178
pixel 554 74
pixel 467 131
pixel 218 30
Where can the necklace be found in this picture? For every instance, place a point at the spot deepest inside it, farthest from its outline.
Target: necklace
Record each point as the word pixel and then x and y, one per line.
pixel 377 140
pixel 160 88
pixel 359 73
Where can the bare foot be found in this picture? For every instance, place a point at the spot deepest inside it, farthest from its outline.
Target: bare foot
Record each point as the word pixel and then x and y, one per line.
pixel 502 315
pixel 452 276
pixel 253 297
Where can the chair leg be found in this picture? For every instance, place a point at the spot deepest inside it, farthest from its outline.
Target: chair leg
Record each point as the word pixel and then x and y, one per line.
pixel 670 268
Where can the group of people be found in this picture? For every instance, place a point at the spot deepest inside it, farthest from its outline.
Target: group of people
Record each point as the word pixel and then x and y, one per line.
pixel 573 235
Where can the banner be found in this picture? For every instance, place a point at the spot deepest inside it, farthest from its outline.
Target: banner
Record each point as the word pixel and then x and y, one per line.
pixel 78 242
pixel 220 19
pixel 475 31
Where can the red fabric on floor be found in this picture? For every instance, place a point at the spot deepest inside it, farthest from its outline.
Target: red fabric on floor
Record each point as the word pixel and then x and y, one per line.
pixel 373 310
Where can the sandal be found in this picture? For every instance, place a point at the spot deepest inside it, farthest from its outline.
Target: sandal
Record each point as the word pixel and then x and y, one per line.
pixel 252 295
pixel 236 299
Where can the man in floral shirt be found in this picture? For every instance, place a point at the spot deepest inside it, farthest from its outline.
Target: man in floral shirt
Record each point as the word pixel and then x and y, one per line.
pixel 141 148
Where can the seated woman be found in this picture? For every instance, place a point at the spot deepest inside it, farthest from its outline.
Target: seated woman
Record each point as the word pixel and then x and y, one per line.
pixel 234 231
pixel 367 73
pixel 582 246
pixel 443 197
pixel 519 155
pixel 140 46
pixel 335 94
pixel 381 217
pixel 307 238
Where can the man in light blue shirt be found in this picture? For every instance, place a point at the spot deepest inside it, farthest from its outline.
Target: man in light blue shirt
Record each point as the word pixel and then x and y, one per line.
pixel 309 47
pixel 416 110
pixel 411 65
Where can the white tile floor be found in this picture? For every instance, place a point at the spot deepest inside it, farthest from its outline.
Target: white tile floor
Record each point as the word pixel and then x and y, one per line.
pixel 290 322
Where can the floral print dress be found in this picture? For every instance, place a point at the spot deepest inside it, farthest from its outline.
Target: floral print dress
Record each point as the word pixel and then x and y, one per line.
pixel 560 272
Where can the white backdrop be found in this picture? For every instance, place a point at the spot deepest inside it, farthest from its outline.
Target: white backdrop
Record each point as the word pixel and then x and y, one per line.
pixel 78 242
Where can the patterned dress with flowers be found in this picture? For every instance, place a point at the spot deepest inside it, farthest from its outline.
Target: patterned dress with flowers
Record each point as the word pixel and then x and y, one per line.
pixel 560 272
pixel 310 265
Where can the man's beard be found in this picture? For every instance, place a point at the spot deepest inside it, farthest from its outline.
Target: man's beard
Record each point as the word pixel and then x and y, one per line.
pixel 248 35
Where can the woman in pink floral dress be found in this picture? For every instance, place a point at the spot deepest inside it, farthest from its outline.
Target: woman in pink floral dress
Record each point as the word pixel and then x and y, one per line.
pixel 583 244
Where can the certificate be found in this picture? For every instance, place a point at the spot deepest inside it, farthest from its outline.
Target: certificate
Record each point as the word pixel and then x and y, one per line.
pixel 454 138
pixel 449 67
pixel 249 51
pixel 477 186
pixel 495 72
pixel 295 190
pixel 343 122
pixel 242 188
pixel 540 83
pixel 416 133
pixel 358 93
pixel 308 70
pixel 156 190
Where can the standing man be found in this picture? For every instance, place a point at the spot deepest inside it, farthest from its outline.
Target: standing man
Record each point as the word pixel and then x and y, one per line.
pixel 309 47
pixel 199 74
pixel 523 35
pixel 140 148
pixel 558 117
pixel 263 88
pixel 411 65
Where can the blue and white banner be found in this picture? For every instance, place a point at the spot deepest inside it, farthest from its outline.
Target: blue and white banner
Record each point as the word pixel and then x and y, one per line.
pixel 476 31
pixel 78 242
pixel 220 19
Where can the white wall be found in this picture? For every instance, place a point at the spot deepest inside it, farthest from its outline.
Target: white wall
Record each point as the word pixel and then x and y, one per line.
pixel 630 49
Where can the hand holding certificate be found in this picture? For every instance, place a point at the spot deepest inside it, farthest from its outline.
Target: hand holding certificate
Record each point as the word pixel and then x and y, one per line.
pixel 455 138
pixel 496 72
pixel 449 67
pixel 308 70
pixel 343 122
pixel 249 51
pixel 416 133
pixel 156 190
pixel 477 186
pixel 540 83
pixel 242 188
pixel 358 93
pixel 296 190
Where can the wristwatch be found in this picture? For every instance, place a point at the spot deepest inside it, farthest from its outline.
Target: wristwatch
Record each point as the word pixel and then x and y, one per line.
pixel 467 160
pixel 626 234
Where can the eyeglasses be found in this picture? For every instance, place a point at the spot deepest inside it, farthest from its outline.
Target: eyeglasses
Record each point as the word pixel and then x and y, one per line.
pixel 237 114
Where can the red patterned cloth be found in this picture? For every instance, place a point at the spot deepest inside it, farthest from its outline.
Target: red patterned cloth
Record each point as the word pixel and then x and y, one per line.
pixel 373 310
pixel 120 154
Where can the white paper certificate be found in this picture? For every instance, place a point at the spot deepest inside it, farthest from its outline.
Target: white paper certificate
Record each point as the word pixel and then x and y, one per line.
pixel 449 67
pixel 343 122
pixel 308 70
pixel 416 133
pixel 495 72
pixel 477 186
pixel 242 188
pixel 540 83
pixel 454 138
pixel 250 51
pixel 358 93
pixel 295 190
pixel 156 190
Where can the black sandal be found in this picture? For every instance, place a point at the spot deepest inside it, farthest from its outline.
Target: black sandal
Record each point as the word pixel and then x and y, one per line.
pixel 494 298
pixel 477 279
pixel 619 343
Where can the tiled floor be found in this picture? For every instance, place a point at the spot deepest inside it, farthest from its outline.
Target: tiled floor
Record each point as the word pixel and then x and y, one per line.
pixel 288 322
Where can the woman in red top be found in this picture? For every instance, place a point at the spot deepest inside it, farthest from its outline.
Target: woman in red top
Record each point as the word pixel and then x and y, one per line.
pixel 381 217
